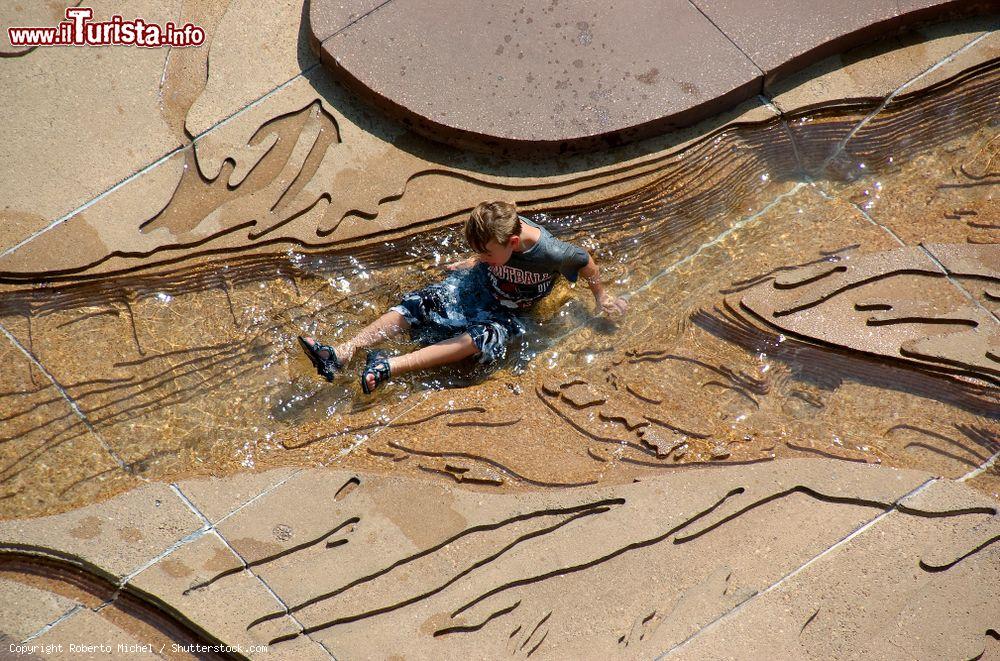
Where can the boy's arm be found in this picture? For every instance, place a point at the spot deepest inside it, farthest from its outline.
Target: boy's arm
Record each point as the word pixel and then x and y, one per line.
pixel 466 263
pixel 606 304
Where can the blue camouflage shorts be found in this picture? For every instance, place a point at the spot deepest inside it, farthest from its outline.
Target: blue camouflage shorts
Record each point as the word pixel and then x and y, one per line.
pixel 461 303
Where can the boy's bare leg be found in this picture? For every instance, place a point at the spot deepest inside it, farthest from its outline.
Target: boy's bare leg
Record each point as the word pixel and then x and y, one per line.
pixel 388 325
pixel 435 355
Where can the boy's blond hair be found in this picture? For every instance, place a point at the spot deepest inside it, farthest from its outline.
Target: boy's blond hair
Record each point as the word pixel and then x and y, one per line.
pixel 496 221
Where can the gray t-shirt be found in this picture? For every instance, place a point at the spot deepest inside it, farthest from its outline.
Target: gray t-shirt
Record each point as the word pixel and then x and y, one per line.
pixel 529 275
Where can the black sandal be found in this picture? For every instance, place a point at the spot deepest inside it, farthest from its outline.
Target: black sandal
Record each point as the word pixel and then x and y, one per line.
pixel 326 367
pixel 377 365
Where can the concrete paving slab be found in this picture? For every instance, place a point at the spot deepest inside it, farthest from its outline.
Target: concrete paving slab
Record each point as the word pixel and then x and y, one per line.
pixel 386 58
pixel 374 516
pixel 90 236
pixel 951 496
pixel 121 237
pixel 984 50
pixel 874 71
pixel 779 35
pixel 49 456
pixel 653 605
pixel 849 601
pixel 172 212
pixel 88 635
pixel 960 543
pixel 376 565
pixel 326 18
pixel 668 551
pixel 116 537
pixel 217 497
pixel 220 608
pixel 186 72
pixel 256 48
pixel 47 156
pixel 24 609
pixel 869 309
pixel 541 75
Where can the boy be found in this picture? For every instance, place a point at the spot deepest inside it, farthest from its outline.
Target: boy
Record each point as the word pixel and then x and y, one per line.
pixel 474 311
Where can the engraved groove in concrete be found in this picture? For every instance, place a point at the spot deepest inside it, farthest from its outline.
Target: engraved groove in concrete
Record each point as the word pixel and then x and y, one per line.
pixel 904 312
pixel 171 343
pixel 127 607
pixel 534 571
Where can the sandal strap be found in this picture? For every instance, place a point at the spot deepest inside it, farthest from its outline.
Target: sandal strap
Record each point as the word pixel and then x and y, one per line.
pixel 325 367
pixel 377 364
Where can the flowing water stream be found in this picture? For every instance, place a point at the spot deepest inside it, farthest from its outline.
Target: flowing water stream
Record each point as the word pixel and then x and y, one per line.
pixel 194 369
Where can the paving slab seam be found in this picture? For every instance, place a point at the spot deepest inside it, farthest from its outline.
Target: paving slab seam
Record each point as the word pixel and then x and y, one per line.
pixel 934 67
pixel 206 526
pixel 166 59
pixel 254 104
pixel 342 453
pixel 628 295
pixel 83 207
pixel 957 284
pixel 864 214
pixel 187 539
pixel 163 76
pixel 735 227
pixel 366 437
pixel 65 616
pixel 767 101
pixel 358 19
pixel 69 400
pixel 794 572
pixel 260 579
pixel 976 472
pixel 224 121
pixel 729 39
pixel 934 259
pixel 209 526
pixel 258 496
pixel 940 266
pixel 86 205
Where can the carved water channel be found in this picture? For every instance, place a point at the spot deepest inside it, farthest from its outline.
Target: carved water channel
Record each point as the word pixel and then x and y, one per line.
pixel 823 284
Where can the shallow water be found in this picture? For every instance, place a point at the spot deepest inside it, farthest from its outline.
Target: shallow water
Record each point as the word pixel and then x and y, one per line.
pixel 197 370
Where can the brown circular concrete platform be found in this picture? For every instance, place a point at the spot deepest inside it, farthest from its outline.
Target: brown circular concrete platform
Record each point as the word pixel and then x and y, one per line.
pixel 545 75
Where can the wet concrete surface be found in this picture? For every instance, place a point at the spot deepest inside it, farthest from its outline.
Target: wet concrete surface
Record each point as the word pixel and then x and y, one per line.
pixel 198 372
pixel 172 469
pixel 545 77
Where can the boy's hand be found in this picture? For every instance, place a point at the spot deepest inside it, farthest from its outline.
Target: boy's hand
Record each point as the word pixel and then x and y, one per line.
pixel 466 263
pixel 612 307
